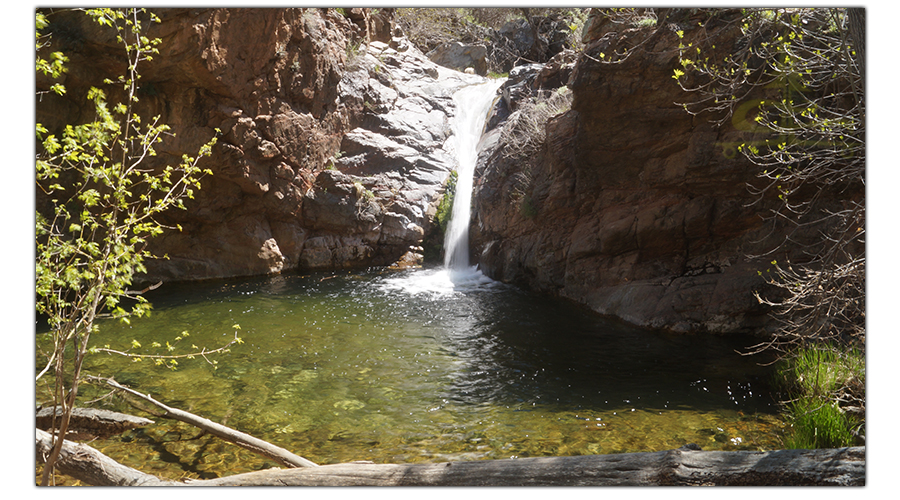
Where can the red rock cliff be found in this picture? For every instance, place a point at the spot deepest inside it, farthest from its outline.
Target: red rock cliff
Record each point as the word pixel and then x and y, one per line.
pixel 332 149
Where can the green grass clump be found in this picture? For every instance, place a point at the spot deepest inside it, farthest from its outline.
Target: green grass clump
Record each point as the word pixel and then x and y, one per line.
pixel 818 423
pixel 445 207
pixel 819 377
pixel 822 370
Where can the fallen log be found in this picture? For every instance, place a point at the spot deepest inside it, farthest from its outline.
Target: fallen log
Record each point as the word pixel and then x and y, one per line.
pixel 87 423
pixel 684 466
pixel 244 440
pixel 665 468
pixel 89 466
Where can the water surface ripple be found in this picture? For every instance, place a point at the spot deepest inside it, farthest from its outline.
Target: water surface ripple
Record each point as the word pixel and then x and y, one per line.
pixel 418 366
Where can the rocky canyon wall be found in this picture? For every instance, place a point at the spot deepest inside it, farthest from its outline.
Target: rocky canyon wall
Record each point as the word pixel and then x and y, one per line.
pixel 633 207
pixel 334 141
pixel 336 144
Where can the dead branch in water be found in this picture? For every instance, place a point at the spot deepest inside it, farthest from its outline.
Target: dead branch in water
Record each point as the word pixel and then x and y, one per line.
pixel 256 445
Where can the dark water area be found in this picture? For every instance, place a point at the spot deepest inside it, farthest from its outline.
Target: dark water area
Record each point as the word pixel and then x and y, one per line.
pixel 414 366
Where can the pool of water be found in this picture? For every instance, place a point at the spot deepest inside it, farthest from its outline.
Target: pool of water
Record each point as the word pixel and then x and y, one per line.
pixel 421 366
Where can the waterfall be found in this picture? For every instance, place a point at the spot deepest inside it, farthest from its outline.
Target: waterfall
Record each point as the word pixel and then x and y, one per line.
pixel 472 105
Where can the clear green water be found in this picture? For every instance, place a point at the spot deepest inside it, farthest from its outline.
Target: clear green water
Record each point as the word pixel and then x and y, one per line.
pixel 401 367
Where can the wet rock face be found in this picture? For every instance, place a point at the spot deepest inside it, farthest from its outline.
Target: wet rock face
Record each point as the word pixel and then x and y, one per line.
pixel 390 170
pixel 633 207
pixel 331 151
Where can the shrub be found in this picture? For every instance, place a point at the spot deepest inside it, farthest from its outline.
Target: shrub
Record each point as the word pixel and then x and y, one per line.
pixel 91 233
pixel 526 129
pixel 430 27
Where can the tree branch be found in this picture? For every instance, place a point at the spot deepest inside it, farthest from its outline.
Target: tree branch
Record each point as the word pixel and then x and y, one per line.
pixel 256 445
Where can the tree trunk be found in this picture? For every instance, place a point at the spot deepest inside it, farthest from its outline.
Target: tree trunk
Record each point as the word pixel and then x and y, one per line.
pixel 857 22
pixel 843 466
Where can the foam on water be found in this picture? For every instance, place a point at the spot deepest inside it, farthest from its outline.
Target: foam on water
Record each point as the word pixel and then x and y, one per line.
pixel 440 281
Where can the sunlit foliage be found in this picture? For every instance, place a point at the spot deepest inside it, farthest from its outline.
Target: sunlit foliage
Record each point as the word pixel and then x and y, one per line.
pixel 105 198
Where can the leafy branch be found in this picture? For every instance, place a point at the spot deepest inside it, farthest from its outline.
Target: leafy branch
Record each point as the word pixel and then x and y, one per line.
pixel 102 199
pixel 792 84
pixel 170 360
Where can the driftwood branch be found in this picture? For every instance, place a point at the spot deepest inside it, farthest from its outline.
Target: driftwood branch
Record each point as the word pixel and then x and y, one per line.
pixel 256 445
pixel 90 422
pixel 842 466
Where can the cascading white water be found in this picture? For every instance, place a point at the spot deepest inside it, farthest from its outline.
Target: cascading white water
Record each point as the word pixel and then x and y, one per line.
pixel 472 104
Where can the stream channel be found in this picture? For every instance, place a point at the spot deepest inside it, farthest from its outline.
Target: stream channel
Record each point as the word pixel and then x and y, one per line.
pixel 423 365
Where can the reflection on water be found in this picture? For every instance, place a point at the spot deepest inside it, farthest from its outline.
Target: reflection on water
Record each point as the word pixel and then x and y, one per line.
pixel 424 366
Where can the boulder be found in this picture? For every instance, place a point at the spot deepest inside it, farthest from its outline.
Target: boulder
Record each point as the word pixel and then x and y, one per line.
pixel 520 33
pixel 399 157
pixel 520 42
pixel 459 56
pixel 557 72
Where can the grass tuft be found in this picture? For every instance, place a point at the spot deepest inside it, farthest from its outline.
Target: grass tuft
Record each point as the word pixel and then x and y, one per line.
pixel 818 423
pixel 828 383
